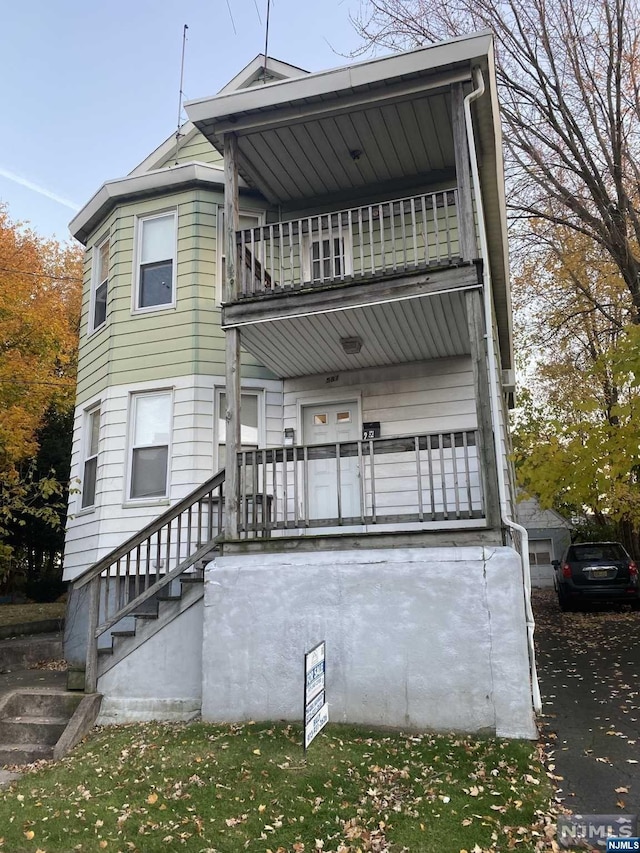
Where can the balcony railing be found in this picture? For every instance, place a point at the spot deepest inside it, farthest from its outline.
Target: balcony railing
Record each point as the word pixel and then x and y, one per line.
pixel 374 241
pixel 422 478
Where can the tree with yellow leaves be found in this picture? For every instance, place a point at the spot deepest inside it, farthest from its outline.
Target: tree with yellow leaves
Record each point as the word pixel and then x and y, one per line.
pixel 40 295
pixel 577 440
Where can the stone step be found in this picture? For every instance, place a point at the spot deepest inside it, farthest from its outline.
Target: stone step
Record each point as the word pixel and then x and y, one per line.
pixel 34 703
pixel 32 729
pixel 24 753
pixel 20 652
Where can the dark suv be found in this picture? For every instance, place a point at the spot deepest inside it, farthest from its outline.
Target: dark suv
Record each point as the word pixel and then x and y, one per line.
pixel 596 571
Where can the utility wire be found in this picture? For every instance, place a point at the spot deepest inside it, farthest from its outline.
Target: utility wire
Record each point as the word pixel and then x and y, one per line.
pixel 41 274
pixel 233 23
pixel 15 381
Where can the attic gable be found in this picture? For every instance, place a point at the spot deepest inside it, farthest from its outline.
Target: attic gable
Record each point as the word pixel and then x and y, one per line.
pixel 192 146
pixel 257 73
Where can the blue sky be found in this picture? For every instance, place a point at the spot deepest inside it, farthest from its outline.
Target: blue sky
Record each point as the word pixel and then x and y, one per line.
pixel 89 89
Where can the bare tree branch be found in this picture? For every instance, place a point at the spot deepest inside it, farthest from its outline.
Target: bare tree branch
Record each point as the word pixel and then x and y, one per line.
pixel 568 73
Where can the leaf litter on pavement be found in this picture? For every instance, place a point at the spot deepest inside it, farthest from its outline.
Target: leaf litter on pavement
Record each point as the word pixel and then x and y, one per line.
pixel 591 657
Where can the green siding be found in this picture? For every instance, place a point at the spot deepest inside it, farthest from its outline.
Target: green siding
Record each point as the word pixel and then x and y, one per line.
pixel 193 149
pixel 157 345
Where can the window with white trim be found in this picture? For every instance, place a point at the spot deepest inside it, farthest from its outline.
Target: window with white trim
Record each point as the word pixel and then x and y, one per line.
pixel 90 465
pixel 156 254
pixel 250 422
pixel 325 258
pixel 150 442
pixel 99 284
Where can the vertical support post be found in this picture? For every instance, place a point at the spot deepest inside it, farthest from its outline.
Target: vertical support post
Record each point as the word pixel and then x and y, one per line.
pixel 486 454
pixel 466 221
pixel 91 671
pixel 232 337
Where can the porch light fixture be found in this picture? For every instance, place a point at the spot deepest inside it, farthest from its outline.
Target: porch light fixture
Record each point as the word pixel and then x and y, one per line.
pixel 355 153
pixel 351 346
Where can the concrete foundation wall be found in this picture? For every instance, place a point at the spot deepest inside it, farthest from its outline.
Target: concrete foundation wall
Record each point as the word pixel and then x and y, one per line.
pixel 417 637
pixel 161 679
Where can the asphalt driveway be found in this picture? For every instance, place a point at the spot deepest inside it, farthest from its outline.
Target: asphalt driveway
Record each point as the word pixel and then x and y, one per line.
pixel 589 673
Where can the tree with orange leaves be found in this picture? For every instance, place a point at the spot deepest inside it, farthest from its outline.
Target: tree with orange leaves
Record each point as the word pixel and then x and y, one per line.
pixel 40 296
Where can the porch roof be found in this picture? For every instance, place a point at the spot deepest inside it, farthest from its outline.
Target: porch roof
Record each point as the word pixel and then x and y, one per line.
pixel 340 134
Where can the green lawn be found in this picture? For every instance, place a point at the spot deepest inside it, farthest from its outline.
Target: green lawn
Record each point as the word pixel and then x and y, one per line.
pixel 12 614
pixel 224 789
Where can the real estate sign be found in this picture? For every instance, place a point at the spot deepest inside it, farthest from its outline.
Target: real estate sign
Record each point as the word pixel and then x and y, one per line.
pixel 316 710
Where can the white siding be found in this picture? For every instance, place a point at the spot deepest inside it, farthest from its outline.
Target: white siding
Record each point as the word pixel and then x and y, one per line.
pixel 425 397
pixel 412 399
pixel 91 534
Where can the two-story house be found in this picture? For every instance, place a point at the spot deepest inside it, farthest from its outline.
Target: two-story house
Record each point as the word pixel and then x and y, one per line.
pixel 295 366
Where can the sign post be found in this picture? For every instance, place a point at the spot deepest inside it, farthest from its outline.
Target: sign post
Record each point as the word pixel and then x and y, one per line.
pixel 316 710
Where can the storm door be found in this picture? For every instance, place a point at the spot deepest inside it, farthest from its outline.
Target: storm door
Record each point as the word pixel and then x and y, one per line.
pixel 329 424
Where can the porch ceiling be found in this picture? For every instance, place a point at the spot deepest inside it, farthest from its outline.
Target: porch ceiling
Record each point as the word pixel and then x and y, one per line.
pixel 414 329
pixel 350 149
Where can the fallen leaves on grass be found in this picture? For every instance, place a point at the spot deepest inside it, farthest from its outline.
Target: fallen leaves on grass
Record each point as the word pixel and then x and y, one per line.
pixel 134 788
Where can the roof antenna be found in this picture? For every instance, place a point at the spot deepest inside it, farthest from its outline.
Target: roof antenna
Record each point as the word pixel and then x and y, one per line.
pixel 266 43
pixel 181 94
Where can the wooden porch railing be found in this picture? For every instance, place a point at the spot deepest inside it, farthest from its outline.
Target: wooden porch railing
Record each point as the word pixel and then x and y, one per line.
pixel 376 240
pixel 122 581
pixel 422 478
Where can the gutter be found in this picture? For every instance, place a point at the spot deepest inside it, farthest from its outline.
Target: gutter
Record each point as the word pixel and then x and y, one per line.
pixel 493 389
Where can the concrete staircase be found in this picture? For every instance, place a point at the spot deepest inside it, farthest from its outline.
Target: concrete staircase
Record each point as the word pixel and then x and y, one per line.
pixel 33 722
pixel 39 719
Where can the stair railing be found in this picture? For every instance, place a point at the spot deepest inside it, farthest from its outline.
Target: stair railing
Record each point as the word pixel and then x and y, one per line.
pixel 134 572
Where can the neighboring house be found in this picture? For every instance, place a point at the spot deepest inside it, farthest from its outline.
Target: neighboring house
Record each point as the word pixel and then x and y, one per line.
pixel 309 290
pixel 549 537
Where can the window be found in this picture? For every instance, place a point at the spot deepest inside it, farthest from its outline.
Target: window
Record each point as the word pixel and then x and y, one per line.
pixel 540 551
pixel 156 261
pixel 250 423
pixel 91 439
pixel 151 427
pixel 326 258
pixel 100 278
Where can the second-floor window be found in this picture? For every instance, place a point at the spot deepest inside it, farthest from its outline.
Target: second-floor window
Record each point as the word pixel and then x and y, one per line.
pixel 99 281
pixel 150 440
pixel 325 258
pixel 155 274
pixel 90 467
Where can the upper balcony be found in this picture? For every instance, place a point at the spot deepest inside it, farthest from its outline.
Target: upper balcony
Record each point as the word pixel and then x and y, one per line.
pixel 386 240
pixel 377 284
pixel 370 172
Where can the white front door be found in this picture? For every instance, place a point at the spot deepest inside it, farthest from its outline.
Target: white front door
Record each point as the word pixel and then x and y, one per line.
pixel 329 423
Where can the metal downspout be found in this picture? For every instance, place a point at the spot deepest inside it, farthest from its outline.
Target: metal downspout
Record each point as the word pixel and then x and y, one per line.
pixel 493 383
